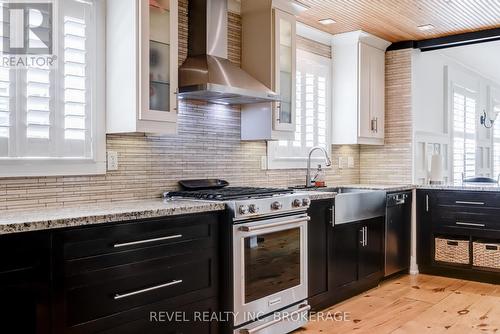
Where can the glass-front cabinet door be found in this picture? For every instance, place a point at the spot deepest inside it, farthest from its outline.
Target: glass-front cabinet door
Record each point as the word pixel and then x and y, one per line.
pixel 159 58
pixel 284 111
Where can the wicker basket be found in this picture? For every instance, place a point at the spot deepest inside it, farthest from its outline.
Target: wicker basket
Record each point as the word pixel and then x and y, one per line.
pixel 486 255
pixel 452 250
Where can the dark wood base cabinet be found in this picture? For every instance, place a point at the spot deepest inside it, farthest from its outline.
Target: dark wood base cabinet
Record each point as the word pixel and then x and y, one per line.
pixel 319 239
pixel 343 260
pixel 145 276
pixel 25 283
pixel 467 216
pixel 109 276
pixel 357 257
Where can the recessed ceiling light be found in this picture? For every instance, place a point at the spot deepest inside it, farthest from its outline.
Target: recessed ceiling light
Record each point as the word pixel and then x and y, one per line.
pixel 425 27
pixel 327 21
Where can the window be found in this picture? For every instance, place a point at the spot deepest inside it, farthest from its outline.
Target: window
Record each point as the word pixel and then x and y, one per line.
pixel 312 113
pixel 52 117
pixel 464 134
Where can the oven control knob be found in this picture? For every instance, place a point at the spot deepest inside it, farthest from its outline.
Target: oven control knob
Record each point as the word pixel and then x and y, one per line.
pixel 276 205
pixel 243 209
pixel 253 208
pixel 297 203
pixel 306 202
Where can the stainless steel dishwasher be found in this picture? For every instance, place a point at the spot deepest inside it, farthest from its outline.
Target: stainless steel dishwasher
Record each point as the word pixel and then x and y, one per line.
pixel 398 232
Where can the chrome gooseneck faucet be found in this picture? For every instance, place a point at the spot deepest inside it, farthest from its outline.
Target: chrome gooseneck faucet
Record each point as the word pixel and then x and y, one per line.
pixel 308 174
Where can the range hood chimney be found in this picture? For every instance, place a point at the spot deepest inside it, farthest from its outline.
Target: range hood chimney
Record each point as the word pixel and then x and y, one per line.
pixel 207 74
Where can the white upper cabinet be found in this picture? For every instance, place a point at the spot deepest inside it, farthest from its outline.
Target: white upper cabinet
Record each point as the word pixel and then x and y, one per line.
pixel 142 63
pixel 359 89
pixel 269 55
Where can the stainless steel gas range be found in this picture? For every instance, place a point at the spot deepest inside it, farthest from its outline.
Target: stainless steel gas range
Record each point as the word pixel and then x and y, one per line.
pixel 266 238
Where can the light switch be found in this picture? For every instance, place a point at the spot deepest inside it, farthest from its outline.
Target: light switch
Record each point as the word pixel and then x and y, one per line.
pixel 341 162
pixel 112 160
pixel 263 162
pixel 350 162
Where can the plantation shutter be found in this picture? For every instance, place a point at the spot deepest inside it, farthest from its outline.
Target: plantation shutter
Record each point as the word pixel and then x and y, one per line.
pixel 6 120
pixel 51 117
pixel 313 79
pixel 464 137
pixel 76 118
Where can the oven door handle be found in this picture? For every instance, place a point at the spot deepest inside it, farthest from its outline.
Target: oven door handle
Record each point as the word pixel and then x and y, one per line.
pixel 303 308
pixel 270 225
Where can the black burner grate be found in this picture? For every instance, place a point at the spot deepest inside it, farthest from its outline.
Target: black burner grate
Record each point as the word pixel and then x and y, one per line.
pixel 230 193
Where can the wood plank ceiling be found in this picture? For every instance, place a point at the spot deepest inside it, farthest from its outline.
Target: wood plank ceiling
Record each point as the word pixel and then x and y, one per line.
pixel 397 20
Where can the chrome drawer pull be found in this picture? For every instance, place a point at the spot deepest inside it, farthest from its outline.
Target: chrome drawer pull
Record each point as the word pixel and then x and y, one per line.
pixel 145 241
pixel 257 329
pixel 266 226
pixel 125 295
pixel 470 203
pixel 470 224
pixel 366 235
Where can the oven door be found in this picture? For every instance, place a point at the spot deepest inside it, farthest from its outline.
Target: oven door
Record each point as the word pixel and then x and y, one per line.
pixel 270 265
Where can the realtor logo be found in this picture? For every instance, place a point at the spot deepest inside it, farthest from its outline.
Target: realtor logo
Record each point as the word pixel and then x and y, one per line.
pixel 29 26
pixel 28 34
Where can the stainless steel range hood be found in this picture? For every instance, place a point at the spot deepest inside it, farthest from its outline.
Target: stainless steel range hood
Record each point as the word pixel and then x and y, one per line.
pixel 207 74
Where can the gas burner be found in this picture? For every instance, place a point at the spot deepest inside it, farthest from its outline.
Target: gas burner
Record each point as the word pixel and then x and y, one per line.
pixel 230 193
pixel 245 202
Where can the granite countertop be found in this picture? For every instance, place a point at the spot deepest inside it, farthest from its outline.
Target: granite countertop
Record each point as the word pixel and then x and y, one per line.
pixel 13 221
pixel 317 195
pixel 41 219
pixel 385 187
pixel 393 188
pixel 404 187
pixel 467 187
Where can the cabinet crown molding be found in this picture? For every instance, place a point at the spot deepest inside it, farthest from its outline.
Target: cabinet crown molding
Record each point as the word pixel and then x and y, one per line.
pixel 314 34
pixel 290 7
pixel 354 37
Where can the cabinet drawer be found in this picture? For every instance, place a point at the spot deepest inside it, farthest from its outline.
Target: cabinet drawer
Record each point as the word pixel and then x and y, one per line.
pixel 466 199
pixel 73 270
pixel 190 323
pixel 122 237
pixel 149 319
pixel 466 217
pixel 102 293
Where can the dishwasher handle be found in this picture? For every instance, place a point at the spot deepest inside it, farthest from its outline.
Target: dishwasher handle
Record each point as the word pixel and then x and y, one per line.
pixel 331 215
pixel 397 199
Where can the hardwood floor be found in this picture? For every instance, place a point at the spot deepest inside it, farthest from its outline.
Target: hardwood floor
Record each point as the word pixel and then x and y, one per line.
pixel 416 304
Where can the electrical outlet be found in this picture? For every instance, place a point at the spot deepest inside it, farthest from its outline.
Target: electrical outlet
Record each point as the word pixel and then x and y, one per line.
pixel 112 160
pixel 350 162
